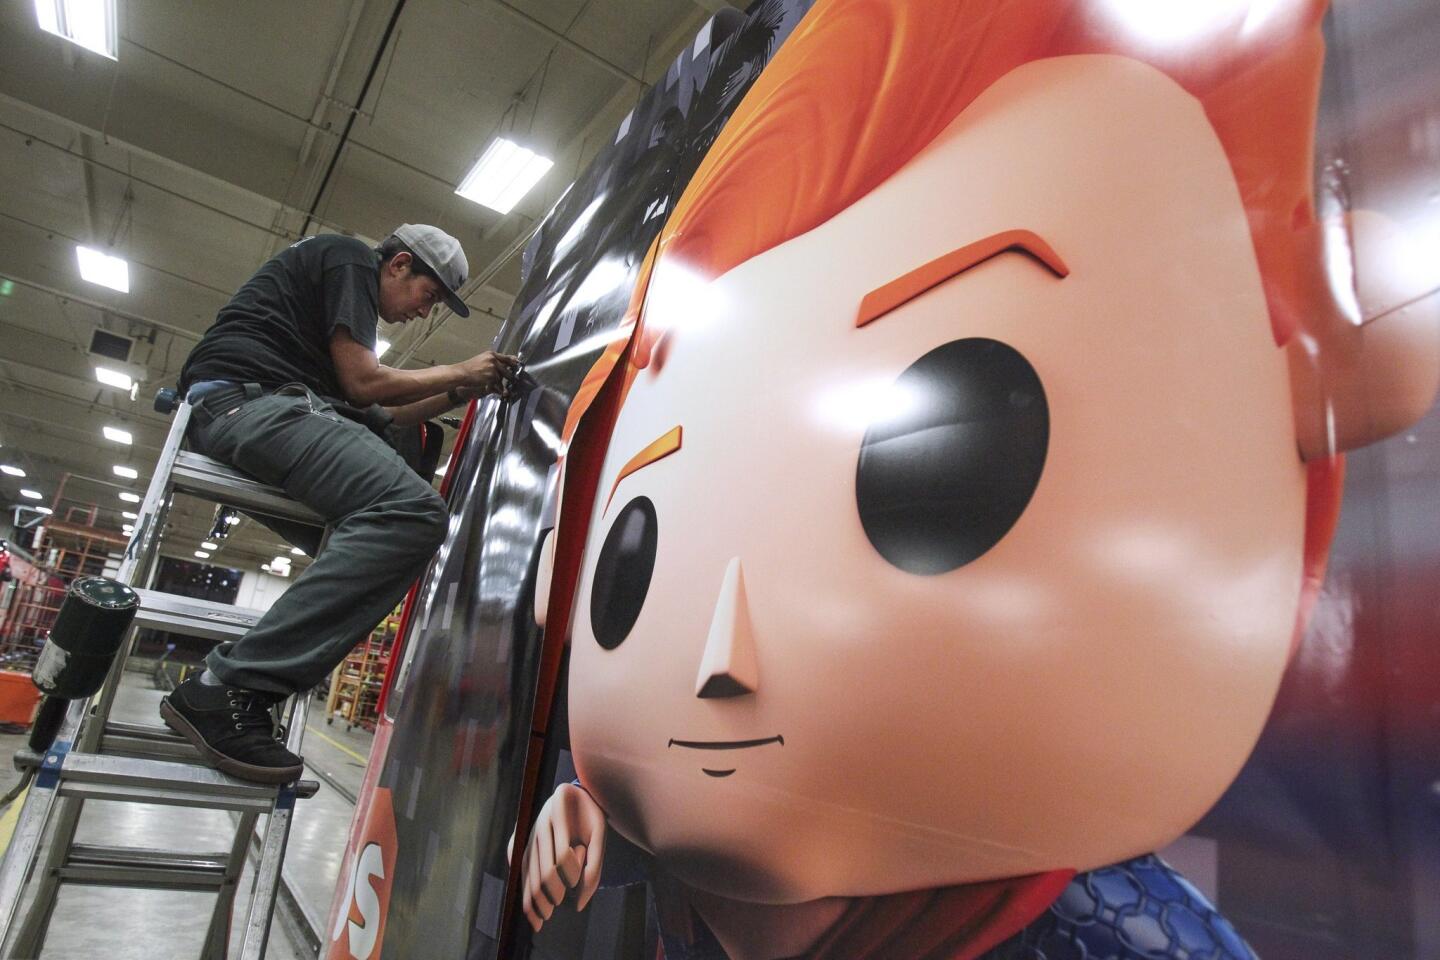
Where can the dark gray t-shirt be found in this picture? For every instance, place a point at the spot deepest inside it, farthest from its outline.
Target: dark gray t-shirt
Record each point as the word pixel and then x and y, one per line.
pixel 277 327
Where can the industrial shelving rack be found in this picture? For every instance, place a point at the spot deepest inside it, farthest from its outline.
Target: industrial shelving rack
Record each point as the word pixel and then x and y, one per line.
pixel 355 685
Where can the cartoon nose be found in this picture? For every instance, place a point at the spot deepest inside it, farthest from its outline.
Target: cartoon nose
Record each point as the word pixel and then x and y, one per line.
pixel 728 667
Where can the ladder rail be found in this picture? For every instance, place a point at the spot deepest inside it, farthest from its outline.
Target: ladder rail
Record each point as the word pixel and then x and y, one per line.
pixel 16 869
pixel 217 937
pixel 139 562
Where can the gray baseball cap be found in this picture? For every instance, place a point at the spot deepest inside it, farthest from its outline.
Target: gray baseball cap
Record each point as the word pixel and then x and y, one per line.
pixel 441 253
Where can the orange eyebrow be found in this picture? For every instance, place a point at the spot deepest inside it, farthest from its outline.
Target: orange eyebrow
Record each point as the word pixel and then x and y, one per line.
pixel 882 300
pixel 656 449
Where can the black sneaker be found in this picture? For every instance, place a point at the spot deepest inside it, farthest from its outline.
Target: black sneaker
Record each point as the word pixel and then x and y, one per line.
pixel 233 730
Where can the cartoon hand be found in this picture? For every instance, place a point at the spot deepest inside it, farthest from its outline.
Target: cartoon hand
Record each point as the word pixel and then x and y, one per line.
pixel 566 852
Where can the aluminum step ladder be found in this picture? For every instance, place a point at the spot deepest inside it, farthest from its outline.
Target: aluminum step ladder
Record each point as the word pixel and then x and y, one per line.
pixel 96 758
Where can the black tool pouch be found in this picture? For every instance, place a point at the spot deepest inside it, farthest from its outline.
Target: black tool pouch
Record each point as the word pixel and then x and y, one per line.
pixel 419 445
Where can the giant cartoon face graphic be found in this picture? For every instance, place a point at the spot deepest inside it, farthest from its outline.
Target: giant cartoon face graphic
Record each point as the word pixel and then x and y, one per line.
pixel 993 576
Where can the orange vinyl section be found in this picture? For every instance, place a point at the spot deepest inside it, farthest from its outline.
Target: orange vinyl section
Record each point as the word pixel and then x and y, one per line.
pixel 901 290
pixel 657 449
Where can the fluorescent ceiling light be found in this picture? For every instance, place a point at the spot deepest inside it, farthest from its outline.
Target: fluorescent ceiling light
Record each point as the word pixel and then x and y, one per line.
pixel 202 554
pixel 10 471
pixel 113 378
pixel 118 435
pixel 92 24
pixel 45 510
pixel 207 545
pixel 31 495
pixel 129 473
pixel 297 551
pixel 505 172
pixel 129 497
pixel 103 269
pixel 128 529
pixel 381 347
pixel 232 519
pixel 280 562
pixel 128 515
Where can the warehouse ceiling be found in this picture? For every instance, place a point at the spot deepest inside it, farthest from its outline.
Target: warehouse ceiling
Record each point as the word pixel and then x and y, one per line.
pixel 227 130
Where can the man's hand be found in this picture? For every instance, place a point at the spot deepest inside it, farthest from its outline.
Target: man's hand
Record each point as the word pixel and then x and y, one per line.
pixel 364 380
pixel 566 852
pixel 487 372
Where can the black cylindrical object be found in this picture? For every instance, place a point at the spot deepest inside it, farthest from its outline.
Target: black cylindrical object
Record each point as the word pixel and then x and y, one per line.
pixel 87 633
pixel 166 400
pixel 82 644
pixel 48 720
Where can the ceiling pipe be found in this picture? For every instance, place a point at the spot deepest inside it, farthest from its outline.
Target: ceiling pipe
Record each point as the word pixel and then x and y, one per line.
pixel 327 93
pixel 350 122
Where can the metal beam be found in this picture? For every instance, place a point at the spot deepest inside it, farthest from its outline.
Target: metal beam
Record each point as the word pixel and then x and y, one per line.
pixel 91 437
pixel 14 218
pixel 608 66
pixel 91 164
pixel 103 308
pixel 63 449
pixel 139 419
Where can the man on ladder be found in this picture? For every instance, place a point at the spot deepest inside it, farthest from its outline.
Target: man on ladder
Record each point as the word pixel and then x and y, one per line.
pixel 266 383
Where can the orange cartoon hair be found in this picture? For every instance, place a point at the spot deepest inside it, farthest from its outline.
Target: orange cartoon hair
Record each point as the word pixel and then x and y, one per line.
pixel 862 86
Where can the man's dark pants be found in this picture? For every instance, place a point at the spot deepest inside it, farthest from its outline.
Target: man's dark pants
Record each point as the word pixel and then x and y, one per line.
pixel 386 524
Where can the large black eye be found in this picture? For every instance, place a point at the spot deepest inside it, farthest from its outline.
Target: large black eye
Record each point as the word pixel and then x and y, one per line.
pixel 622 574
pixel 954 461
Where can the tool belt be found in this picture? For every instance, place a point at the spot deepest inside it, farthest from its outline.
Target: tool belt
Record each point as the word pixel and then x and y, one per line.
pixel 210 398
pixel 419 446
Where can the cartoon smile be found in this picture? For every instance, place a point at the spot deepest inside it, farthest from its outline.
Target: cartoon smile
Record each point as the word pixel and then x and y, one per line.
pixel 723 745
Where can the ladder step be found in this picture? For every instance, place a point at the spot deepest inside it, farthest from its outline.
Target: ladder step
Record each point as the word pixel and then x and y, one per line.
pixel 95 865
pixel 198 474
pixel 193 618
pixel 147 740
pixel 92 776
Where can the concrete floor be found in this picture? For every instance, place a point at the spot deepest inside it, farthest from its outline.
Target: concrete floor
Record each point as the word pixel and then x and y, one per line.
pixel 119 924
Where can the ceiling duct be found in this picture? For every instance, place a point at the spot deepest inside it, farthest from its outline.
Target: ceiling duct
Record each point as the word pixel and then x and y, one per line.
pixel 113 346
